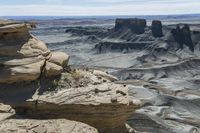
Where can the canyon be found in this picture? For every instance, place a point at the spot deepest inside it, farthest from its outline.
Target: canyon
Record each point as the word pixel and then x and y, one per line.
pixel 133 75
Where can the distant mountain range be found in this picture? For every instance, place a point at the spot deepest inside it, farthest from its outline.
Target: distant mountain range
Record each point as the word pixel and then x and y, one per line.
pixel 148 17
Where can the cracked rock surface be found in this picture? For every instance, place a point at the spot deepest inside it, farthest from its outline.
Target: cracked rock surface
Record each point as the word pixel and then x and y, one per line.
pixel 23 57
pixel 90 97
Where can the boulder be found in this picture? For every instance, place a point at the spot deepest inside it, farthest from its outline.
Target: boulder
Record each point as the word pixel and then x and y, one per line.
pixel 135 25
pixel 52 69
pixel 59 58
pixel 34 47
pixel 20 73
pixel 156 28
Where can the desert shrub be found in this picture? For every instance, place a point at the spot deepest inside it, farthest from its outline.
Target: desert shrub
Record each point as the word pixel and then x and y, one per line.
pixel 77 75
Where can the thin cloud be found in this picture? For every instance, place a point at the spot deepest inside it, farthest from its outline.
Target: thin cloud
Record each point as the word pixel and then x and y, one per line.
pixel 153 7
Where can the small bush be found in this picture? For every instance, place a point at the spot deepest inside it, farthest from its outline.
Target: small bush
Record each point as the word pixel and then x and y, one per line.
pixel 77 75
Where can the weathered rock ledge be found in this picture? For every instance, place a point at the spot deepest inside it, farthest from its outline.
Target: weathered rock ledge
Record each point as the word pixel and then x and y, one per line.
pixel 25 58
pixel 95 100
pixel 10 124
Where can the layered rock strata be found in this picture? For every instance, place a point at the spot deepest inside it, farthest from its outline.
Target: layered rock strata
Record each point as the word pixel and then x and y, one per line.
pixel 104 47
pixel 25 58
pixel 10 124
pixel 136 25
pixel 183 37
pixel 156 28
pixel 94 100
pixel 45 126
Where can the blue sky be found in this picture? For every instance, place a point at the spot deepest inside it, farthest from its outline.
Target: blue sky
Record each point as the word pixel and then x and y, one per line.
pixel 97 7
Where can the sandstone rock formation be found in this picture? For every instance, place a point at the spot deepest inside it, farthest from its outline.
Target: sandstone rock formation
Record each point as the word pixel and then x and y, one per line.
pixel 23 57
pixel 86 96
pixel 59 58
pixel 29 84
pixel 44 126
pixel 6 112
pixel 136 25
pixel 156 28
pixel 94 100
pixel 183 36
pixel 52 69
pixel 10 124
pixel 4 22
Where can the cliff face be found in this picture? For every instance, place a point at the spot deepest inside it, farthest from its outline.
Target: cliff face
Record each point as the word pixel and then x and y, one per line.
pixel 136 25
pixel 90 97
pixel 24 58
pixel 156 28
pixel 183 37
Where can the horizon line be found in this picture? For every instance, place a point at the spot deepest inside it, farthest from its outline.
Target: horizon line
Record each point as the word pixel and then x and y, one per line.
pixel 179 14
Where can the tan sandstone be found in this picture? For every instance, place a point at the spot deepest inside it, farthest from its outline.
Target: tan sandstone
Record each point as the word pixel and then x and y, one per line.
pixel 44 126
pixel 28 72
pixel 52 69
pixel 59 58
pixel 23 57
pixel 93 100
pixel 10 124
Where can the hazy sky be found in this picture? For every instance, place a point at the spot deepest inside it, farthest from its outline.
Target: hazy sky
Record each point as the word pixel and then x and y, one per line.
pixel 97 7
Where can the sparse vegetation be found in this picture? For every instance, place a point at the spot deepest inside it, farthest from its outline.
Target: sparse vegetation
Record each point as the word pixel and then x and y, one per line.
pixel 77 75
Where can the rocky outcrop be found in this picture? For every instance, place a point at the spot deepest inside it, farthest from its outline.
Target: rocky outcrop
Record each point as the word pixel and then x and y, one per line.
pixel 28 72
pixel 4 22
pixel 29 84
pixel 52 69
pixel 44 126
pixel 6 112
pixel 135 25
pixel 59 58
pixel 104 47
pixel 94 31
pixel 88 97
pixel 23 57
pixel 183 36
pixel 156 28
pixel 167 114
pixel 104 106
pixel 10 124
